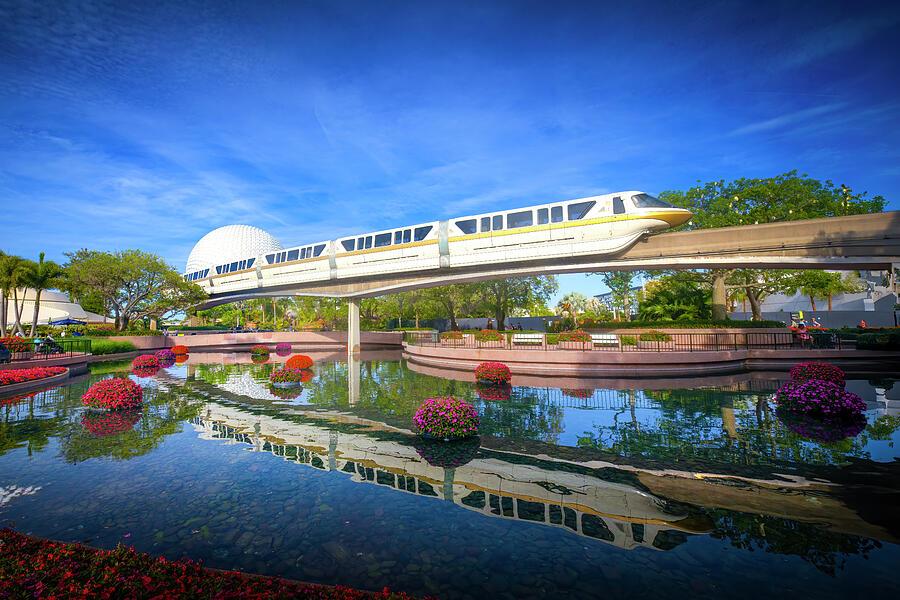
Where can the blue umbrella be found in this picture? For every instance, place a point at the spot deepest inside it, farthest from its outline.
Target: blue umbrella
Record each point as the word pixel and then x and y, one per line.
pixel 66 321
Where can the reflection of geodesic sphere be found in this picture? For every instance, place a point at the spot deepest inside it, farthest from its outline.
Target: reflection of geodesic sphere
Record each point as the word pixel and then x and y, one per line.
pixel 230 243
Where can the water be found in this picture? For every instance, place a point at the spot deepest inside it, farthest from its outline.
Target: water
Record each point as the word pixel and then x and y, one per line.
pixel 609 489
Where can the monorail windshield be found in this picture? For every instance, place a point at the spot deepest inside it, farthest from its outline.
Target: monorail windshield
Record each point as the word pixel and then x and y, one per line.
pixel 648 201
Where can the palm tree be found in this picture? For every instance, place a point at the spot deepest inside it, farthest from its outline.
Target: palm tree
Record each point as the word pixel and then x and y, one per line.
pixel 4 292
pixel 13 270
pixel 41 276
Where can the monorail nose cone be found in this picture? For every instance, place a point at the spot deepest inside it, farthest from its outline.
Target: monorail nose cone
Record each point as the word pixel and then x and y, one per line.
pixel 678 216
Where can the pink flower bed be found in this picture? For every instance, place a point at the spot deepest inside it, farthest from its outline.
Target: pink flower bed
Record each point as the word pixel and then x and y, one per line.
pixel 494 372
pixel 20 375
pixel 818 370
pixel 109 423
pixel 165 357
pixel 446 418
pixel 113 393
pixel 145 361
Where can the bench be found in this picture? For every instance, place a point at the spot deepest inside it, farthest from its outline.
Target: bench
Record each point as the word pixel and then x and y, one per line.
pixel 605 339
pixel 528 338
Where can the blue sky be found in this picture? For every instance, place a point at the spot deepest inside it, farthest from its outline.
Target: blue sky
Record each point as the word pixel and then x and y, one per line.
pixel 146 125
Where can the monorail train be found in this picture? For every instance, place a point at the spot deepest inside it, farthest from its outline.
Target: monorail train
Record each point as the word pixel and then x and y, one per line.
pixel 596 225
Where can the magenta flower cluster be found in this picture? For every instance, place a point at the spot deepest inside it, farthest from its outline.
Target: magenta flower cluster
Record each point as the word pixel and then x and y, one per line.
pixel 282 349
pixel 823 429
pixel 113 393
pixel 145 361
pixel 817 398
pixel 493 372
pixel 287 374
pixel 818 370
pixel 446 418
pixel 165 357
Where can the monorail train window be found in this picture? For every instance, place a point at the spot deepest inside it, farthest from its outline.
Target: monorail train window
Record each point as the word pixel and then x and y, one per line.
pixel 242 265
pixel 303 254
pixel 293 254
pixel 421 232
pixel 648 201
pixel 497 222
pixel 579 209
pixel 407 235
pixel 543 216
pixel 398 237
pixel 368 242
pixel 515 220
pixel 382 239
pixel 468 226
pixel 218 270
pixel 317 250
pixel 618 206
pixel 349 245
pixel 556 214
pixel 485 223
pixel 360 243
pixel 270 258
pixel 233 267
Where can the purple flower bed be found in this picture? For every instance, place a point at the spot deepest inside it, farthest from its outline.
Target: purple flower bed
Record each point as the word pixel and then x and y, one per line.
pixel 282 349
pixel 165 357
pixel 818 370
pixel 823 429
pixel 446 418
pixel 816 398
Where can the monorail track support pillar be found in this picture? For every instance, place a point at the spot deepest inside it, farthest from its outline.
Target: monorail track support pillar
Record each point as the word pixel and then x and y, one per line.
pixel 353 328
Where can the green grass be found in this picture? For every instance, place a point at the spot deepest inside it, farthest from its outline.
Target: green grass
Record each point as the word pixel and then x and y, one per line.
pixel 105 346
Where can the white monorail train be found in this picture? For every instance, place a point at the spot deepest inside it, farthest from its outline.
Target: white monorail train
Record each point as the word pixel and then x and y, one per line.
pixel 587 226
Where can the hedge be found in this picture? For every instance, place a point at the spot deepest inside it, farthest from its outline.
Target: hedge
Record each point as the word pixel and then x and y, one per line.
pixel 879 340
pixel 111 346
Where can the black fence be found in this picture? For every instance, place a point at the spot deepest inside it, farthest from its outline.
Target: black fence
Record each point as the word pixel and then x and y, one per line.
pixel 44 350
pixel 629 342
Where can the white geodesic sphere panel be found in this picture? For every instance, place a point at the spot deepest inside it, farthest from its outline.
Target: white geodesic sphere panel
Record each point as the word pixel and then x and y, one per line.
pixel 230 243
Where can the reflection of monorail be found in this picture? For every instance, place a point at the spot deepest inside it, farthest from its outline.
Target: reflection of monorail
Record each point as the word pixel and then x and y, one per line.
pixel 582 504
pixel 588 226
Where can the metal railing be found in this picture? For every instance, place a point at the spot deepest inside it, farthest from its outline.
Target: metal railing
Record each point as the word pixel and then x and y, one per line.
pixel 628 342
pixel 43 350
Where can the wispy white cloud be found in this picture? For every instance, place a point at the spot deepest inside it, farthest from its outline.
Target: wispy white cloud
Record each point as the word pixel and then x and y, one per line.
pixel 789 119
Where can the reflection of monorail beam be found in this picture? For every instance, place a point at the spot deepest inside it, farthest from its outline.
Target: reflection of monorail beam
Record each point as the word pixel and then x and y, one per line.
pixel 582 504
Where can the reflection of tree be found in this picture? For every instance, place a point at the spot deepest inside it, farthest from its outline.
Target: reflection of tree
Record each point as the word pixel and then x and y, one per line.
pixel 826 550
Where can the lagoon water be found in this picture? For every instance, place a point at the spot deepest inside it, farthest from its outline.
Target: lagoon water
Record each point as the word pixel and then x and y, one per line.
pixel 617 489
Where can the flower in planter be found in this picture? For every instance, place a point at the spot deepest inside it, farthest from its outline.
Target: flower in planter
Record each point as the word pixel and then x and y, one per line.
pixel 822 429
pixel 20 375
pixel 299 361
pixel 145 361
pixel 655 336
pixel 493 372
pixel 818 370
pixel 146 371
pixel 286 375
pixel 282 349
pixel 180 358
pixel 574 336
pixel 286 393
pixel 115 393
pixel 180 349
pixel 493 392
pixel 165 357
pixel 108 423
pixel 446 418
pixel 488 335
pixel 15 343
pixel 260 349
pixel 448 455
pixel 583 394
pixel 452 335
pixel 818 398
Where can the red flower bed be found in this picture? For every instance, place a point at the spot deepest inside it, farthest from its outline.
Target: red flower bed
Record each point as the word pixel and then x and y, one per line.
pixel 20 375
pixel 146 371
pixel 260 349
pixel 818 370
pixel 35 568
pixel 145 361
pixel 493 392
pixel 488 335
pixel 180 349
pixel 299 361
pixel 582 394
pixel 180 358
pixel 15 343
pixel 114 393
pixel 108 423
pixel 494 372
pixel 575 336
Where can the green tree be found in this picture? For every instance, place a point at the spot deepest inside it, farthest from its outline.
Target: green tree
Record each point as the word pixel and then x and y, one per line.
pixel 758 284
pixel 13 273
pixel 577 301
pixel 501 296
pixel 786 197
pixel 822 285
pixel 678 297
pixel 133 283
pixel 619 284
pixel 456 300
pixel 42 276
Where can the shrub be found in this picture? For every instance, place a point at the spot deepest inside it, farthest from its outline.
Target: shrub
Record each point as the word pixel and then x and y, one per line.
pixel 655 336
pixel 488 335
pixel 108 423
pixel 145 361
pixel 165 357
pixel 114 393
pixel 452 335
pixel 299 361
pixel 814 397
pixel 494 372
pixel 260 349
pixel 879 340
pixel 575 336
pixel 446 418
pixel 15 343
pixel 103 347
pixel 628 340
pixel 448 455
pixel 286 375
pixel 818 370
pixel 180 349
pixel 21 375
pixel 493 392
